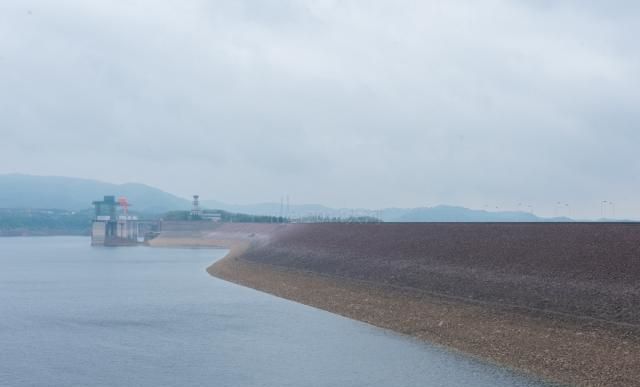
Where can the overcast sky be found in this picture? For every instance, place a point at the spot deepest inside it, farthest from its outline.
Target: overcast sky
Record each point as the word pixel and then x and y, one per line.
pixel 347 103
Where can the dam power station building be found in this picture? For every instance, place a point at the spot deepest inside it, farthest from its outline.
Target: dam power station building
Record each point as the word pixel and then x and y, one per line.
pixel 112 225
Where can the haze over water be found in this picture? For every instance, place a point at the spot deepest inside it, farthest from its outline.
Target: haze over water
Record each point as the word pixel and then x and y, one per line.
pixel 72 315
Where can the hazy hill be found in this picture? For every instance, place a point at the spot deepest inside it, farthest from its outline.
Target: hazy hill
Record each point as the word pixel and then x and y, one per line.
pixel 65 193
pixel 445 213
pixel 442 213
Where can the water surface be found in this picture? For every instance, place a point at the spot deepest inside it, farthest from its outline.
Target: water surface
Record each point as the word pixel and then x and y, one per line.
pixel 73 315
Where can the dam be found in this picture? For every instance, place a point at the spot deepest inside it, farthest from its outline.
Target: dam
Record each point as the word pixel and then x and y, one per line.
pixel 559 300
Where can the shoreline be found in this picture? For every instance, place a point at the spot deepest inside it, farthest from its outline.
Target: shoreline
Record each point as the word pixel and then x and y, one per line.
pixel 362 272
pixel 35 234
pixel 565 352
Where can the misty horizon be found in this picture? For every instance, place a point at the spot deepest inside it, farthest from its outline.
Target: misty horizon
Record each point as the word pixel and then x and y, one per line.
pixel 65 193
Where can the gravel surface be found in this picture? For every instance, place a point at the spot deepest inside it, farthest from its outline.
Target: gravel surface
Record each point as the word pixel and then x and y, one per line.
pixel 566 351
pixel 580 269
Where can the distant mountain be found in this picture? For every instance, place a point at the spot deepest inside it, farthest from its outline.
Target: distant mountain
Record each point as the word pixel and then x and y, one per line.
pixel 442 213
pixel 445 213
pixel 65 193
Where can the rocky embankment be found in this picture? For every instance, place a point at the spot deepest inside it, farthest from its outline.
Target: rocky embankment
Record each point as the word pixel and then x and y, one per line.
pixel 561 301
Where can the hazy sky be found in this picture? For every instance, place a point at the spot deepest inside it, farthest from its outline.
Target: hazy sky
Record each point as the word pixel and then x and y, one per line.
pixel 348 103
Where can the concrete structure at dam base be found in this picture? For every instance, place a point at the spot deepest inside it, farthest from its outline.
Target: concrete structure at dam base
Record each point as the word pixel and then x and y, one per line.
pixel 112 225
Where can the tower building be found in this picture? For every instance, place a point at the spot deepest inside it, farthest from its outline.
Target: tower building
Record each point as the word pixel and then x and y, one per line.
pixel 109 228
pixel 196 212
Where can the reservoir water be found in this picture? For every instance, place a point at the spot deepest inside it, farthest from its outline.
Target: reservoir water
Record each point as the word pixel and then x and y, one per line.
pixel 73 315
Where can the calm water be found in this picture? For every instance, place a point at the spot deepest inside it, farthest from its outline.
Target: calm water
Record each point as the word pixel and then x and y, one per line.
pixel 72 315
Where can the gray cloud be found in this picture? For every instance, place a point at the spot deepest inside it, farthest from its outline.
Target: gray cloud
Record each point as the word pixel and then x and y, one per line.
pixel 349 103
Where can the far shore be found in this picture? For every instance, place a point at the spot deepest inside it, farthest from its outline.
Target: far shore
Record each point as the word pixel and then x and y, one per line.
pixel 566 348
pixel 39 234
